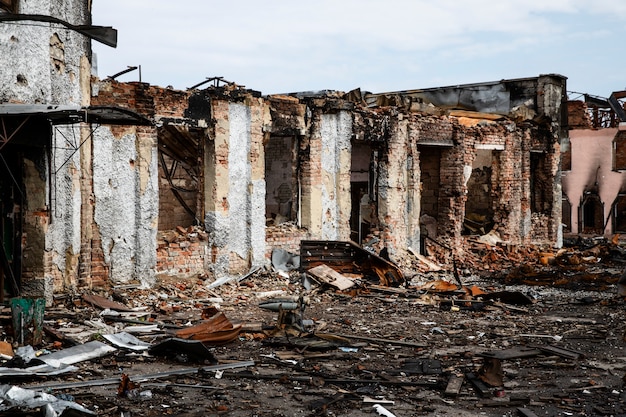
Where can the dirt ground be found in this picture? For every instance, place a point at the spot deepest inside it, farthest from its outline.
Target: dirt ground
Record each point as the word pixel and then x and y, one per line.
pixel 398 348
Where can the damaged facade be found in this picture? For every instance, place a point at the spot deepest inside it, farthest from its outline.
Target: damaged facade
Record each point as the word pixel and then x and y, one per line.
pixel 212 180
pixel 594 184
pixel 46 128
pixel 252 173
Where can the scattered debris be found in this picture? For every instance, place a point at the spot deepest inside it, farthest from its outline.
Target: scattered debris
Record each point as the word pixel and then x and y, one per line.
pixel 349 258
pixel 465 341
pixel 20 400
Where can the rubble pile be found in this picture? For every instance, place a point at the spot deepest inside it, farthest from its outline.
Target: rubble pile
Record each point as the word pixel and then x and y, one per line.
pixel 306 337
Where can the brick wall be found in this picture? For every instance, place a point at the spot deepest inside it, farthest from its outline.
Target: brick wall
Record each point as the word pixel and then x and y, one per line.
pixel 443 194
pixel 285 236
pixel 578 117
pixel 182 252
pixel 135 96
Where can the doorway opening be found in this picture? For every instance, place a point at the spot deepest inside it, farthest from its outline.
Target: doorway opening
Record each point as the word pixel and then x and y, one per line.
pixel 592 216
pixel 479 204
pixel 281 180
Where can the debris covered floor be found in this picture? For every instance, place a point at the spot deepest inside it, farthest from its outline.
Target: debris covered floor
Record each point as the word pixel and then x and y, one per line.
pixel 527 334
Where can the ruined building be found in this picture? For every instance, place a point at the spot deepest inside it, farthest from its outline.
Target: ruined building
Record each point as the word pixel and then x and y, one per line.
pixel 594 183
pixel 107 182
pixel 45 116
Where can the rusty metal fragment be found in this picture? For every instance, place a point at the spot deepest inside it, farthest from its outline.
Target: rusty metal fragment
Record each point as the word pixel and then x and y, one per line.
pixel 217 330
pixel 105 303
pixel 491 372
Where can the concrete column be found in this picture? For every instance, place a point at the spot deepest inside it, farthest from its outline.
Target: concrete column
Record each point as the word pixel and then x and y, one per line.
pixel 396 206
pixel 216 187
pixel 336 132
pixel 125 178
pixel 259 114
pixel 235 187
pixel 240 192
pixel 311 177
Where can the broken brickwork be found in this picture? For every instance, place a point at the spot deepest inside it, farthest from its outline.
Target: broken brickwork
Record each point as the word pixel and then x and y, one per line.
pixel 578 115
pixel 268 172
pixel 285 236
pixel 182 252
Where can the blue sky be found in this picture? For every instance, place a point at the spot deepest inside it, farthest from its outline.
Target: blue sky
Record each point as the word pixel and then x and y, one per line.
pixel 279 46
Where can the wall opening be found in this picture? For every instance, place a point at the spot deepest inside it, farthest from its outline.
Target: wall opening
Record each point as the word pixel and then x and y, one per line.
pixel 592 214
pixel 281 180
pixel 619 151
pixel 12 204
pixel 619 213
pixel 479 204
pixel 363 176
pixel 430 174
pixel 179 174
pixel 566 215
pixel 430 165
pixel 540 186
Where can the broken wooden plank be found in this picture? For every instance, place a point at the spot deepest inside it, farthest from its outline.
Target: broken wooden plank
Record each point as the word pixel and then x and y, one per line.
pixel 307 379
pixel 481 388
pixel 525 412
pixel 512 353
pixel 418 367
pixel 560 351
pixel 386 341
pixel 329 276
pixel 454 385
pixel 391 290
pixel 370 400
pixel 145 377
pixel 432 266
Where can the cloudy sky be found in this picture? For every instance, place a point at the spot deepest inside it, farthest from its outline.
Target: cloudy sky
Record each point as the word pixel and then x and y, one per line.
pixel 279 46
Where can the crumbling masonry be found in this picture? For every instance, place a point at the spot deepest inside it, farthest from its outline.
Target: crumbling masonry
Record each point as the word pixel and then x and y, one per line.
pixel 106 182
pixel 260 173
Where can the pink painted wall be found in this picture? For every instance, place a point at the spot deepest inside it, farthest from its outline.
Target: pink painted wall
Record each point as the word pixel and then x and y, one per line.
pixel 592 160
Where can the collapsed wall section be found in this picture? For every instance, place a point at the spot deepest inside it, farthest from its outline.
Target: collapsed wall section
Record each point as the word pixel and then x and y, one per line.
pixel 348 171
